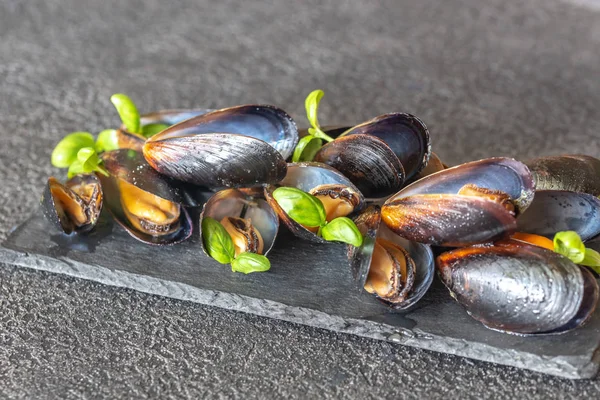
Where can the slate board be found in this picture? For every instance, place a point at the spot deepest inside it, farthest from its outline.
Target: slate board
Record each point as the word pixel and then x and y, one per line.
pixel 308 284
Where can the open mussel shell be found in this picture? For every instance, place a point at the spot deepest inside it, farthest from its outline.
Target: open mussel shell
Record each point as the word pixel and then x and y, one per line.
pixel 75 206
pixel 576 173
pixel 463 205
pixel 256 211
pixel 405 134
pixel 307 176
pixel 143 202
pixel 519 288
pixel 367 161
pixel 419 255
pixel 135 141
pixel 554 211
pixel 234 147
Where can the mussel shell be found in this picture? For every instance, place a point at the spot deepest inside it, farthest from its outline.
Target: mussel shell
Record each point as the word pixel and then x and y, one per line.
pixel 216 160
pixel 131 167
pixel 405 134
pixel 518 288
pixel 369 223
pixel 576 173
pixel 553 211
pixel 306 176
pixel 503 174
pixel 367 161
pixel 266 123
pixel 234 203
pixel 434 165
pixel 448 220
pixel 52 208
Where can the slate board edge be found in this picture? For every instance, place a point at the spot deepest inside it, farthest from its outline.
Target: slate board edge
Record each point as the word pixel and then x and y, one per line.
pixel 573 367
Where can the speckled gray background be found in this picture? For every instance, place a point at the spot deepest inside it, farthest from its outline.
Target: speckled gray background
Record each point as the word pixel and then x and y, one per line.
pixel 491 77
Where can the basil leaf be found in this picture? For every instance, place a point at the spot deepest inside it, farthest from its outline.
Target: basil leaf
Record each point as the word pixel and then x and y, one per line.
pixel 217 241
pixel 592 260
pixel 75 168
pixel 302 207
pixel 306 149
pixel 65 152
pixel 247 263
pixel 312 106
pixel 342 229
pixel 570 245
pixel 107 141
pixel 127 111
pixel 88 159
pixel 152 129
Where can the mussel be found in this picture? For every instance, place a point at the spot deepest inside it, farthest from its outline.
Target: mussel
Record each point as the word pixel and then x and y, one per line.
pixel 338 195
pixel 135 141
pixel 74 206
pixel 396 271
pixel 553 211
pixel 471 203
pixel 434 165
pixel 380 167
pixel 250 220
pixel 576 173
pixel 143 202
pixel 518 288
pixel 233 147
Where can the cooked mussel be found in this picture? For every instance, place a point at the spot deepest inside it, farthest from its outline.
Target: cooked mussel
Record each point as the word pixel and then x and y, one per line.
pixel 74 206
pixel 233 147
pixel 576 173
pixel 250 220
pixel 552 211
pixel 471 203
pixel 135 141
pixel 396 271
pixel 143 202
pixel 338 195
pixel 518 288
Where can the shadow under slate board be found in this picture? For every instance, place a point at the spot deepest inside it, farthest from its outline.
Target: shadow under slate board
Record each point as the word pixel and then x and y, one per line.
pixel 307 284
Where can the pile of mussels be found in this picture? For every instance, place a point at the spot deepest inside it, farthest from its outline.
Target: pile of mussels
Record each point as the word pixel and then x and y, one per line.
pixel 490 222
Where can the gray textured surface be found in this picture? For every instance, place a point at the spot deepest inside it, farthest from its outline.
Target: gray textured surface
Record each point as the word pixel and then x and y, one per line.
pixel 488 77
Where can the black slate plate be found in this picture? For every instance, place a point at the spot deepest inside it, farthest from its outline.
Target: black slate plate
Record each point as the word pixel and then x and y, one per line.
pixel 308 284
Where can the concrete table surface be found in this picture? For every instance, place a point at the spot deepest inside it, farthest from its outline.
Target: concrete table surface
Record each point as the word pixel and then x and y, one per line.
pixel 488 77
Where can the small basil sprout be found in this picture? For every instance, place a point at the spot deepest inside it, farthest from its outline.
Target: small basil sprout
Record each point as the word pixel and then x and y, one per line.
pixel 217 241
pixel 592 260
pixel 309 145
pixel 127 111
pixel 307 148
pixel 107 140
pixel 152 129
pixel 304 208
pixel 247 263
pixel 65 152
pixel 342 229
pixel 570 245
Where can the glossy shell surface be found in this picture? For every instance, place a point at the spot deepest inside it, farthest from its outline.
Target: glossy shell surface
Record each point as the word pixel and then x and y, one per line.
pixel 576 173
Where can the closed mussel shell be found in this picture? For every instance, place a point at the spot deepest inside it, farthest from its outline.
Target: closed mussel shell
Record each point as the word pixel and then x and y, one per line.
pixel 463 205
pixel 554 211
pixel 367 161
pixel 576 173
pixel 518 288
pixel 361 258
pixel 307 176
pixel 234 147
pixel 254 209
pixel 159 218
pixel 75 206
pixel 405 134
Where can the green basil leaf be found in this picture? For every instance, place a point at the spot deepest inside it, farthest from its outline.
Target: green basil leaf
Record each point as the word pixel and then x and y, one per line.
pixel 75 168
pixel 312 106
pixel 342 229
pixel 247 263
pixel 152 129
pixel 88 158
pixel 592 260
pixel 306 149
pixel 107 141
pixel 570 245
pixel 217 241
pixel 127 111
pixel 65 152
pixel 302 207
